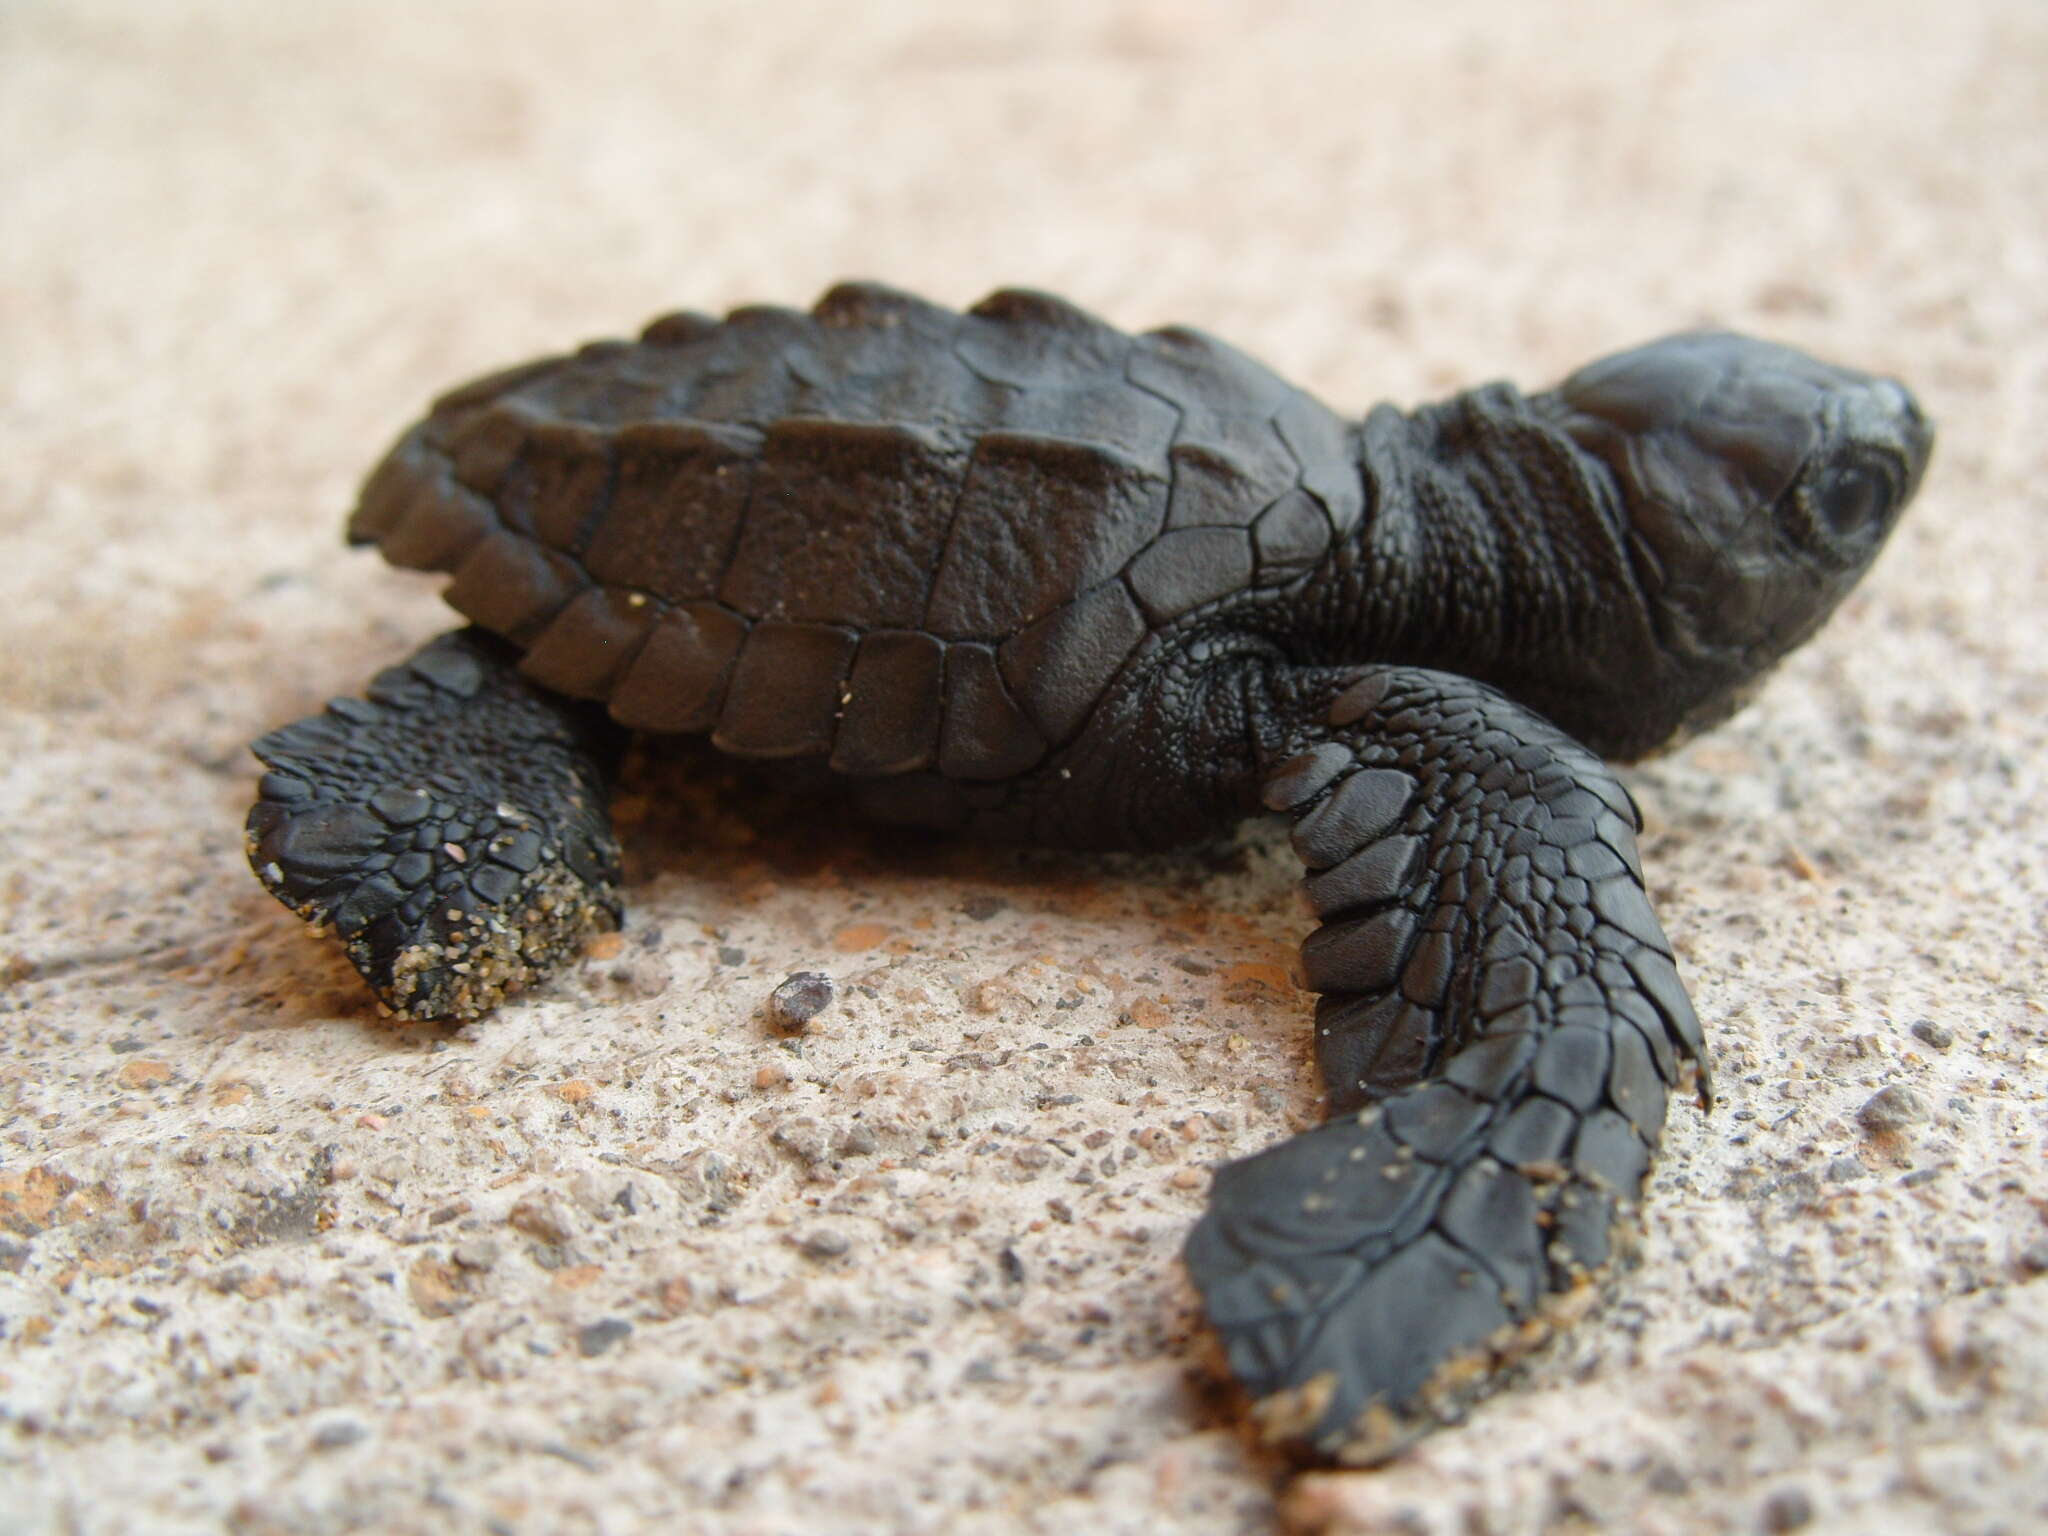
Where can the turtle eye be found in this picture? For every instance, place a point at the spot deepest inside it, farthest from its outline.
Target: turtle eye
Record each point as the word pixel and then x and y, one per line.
pixel 1852 499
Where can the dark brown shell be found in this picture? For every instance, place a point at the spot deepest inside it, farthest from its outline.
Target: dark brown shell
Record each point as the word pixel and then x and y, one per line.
pixel 881 531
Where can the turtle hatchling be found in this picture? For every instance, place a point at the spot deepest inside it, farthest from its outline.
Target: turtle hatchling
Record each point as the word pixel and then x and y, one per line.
pixel 1018 574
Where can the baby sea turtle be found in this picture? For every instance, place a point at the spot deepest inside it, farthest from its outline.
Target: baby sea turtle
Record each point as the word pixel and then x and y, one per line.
pixel 1017 573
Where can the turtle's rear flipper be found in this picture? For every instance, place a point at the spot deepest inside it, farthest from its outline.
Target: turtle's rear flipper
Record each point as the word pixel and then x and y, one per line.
pixel 1500 1025
pixel 451 827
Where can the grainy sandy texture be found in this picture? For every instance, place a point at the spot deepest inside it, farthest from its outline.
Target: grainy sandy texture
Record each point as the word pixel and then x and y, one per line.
pixel 622 1257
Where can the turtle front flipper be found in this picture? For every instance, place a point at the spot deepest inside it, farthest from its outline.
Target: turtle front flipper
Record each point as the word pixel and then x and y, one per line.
pixel 451 827
pixel 1500 1025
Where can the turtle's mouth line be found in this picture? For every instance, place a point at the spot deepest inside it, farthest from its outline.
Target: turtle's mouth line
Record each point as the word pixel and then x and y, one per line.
pixel 1705 717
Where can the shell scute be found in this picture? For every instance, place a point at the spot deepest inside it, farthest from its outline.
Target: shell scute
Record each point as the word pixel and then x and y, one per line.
pixel 677 500
pixel 1215 387
pixel 1226 482
pixel 513 585
pixel 784 696
pixel 986 735
pixel 1026 339
pixel 1090 509
pixel 1181 571
pixel 1290 536
pixel 677 681
pixel 561 483
pixel 877 304
pixel 841 521
pixel 895 697
pixel 1321 445
pixel 590 643
pixel 1059 666
pixel 484 445
pixel 1108 414
pixel 678 329
pixel 439 526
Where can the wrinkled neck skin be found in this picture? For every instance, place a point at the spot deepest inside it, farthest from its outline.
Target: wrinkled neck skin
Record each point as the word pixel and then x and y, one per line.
pixel 1497 548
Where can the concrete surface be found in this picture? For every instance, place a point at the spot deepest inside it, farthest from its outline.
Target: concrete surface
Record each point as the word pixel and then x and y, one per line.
pixel 619 1257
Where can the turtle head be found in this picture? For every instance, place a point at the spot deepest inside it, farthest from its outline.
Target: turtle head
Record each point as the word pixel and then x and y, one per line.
pixel 1755 485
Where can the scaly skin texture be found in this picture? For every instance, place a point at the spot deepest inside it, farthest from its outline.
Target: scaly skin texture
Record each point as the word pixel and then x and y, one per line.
pixel 1500 1025
pixel 450 828
pixel 1016 573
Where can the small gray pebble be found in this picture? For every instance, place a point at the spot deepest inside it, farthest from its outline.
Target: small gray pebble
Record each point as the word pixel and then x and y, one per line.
pixel 476 1253
pixel 341 1432
pixel 1668 1480
pixel 982 908
pixel 597 1337
pixel 858 1141
pixel 824 1243
pixel 1933 1034
pixel 1843 1169
pixel 2034 1258
pixel 1787 1510
pixel 800 999
pixel 1891 1109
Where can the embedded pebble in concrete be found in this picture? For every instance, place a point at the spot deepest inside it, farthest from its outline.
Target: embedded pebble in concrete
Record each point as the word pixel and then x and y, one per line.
pixel 1933 1034
pixel 1891 1109
pixel 595 1338
pixel 799 999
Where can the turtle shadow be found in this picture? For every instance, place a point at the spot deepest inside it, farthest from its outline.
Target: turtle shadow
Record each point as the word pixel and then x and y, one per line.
pixel 724 827
pixel 685 810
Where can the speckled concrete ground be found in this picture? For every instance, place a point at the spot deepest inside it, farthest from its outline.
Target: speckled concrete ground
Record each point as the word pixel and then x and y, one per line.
pixel 620 1257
